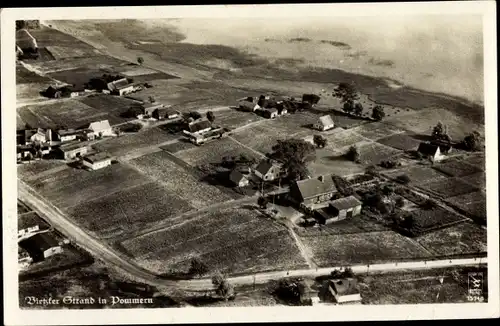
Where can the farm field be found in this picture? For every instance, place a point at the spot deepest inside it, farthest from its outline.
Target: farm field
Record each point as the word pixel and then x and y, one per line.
pixel 374 153
pixel 358 224
pixel 71 187
pixel 425 220
pixel 368 247
pixel 448 187
pixel 178 180
pixel 477 180
pixel 469 198
pixel 178 146
pixel 128 210
pixel 67 112
pixel 65 52
pixel 34 168
pixel 234 119
pixel 94 62
pixel 25 76
pixel 465 238
pixel 376 130
pixel 456 168
pixel 122 145
pixel 345 121
pixel 50 37
pixel 328 163
pixel 418 174
pixel 403 141
pixel 340 141
pixel 214 151
pixel 114 105
pixel 30 92
pixel 476 160
pixel 236 240
pixel 423 121
pixel 76 76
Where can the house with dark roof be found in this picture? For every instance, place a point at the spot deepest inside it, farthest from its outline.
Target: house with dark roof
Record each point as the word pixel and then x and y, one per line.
pixel 430 151
pixel 199 126
pixel 344 290
pixel 346 207
pixel 66 135
pixel 121 87
pixel 97 161
pixel 324 123
pixel 268 170
pixel 238 178
pixel 41 246
pixel 171 114
pixel 74 149
pixel 314 192
pixel 150 108
pixel 269 113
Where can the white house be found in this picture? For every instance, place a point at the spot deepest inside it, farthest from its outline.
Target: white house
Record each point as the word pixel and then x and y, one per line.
pixel 344 290
pixel 267 170
pixel 121 87
pixel 324 123
pixel 97 161
pixel 101 128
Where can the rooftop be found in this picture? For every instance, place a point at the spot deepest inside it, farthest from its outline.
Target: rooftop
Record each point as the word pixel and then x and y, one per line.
pixel 198 125
pixel 265 165
pixel 345 203
pixel 31 219
pixel 97 157
pixel 39 242
pixel 316 186
pixel 326 120
pixel 345 286
pixel 428 148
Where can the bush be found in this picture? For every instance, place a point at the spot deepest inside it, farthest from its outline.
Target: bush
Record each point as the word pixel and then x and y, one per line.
pixel 353 154
pixel 403 178
pixel 400 202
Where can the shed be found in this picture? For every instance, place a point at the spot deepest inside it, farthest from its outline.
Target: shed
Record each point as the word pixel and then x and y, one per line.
pixel 238 178
pixel 324 123
pixel 346 207
pixel 344 290
pixel 97 161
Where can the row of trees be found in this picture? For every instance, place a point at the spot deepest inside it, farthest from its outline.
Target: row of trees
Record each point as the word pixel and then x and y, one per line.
pixel 349 96
pixel 471 142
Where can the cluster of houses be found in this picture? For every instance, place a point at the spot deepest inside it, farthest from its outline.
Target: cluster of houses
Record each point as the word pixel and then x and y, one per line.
pixel 36 242
pixel 157 111
pixel 118 87
pixel 67 144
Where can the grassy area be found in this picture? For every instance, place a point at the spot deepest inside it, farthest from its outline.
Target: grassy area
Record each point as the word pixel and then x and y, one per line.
pixel 22 208
pixel 71 187
pixel 456 168
pixel 417 287
pixel 24 76
pixel 340 141
pixel 128 210
pixel 66 52
pixel 114 105
pixel 92 63
pixel 357 224
pixel 477 180
pixel 374 153
pixel 234 119
pixel 31 219
pixel 403 141
pixel 418 174
pixel 465 238
pixel 369 247
pixel 122 145
pixel 235 240
pixel 449 187
pixel 178 180
pixel 34 168
pixel 376 130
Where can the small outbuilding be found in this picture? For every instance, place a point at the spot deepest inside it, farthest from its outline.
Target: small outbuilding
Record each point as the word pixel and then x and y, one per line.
pixel 74 149
pixel 238 178
pixel 97 161
pixel 324 123
pixel 41 246
pixel 344 290
pixel 431 151
pixel 268 170
pixel 346 207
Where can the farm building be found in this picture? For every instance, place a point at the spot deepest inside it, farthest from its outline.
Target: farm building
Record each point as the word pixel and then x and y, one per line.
pixel 23 151
pixel 66 135
pixel 444 147
pixel 121 87
pixel 23 233
pixel 344 290
pixel 238 178
pixel 52 92
pixel 171 114
pixel 41 246
pixel 23 258
pixel 150 108
pixel 97 161
pixel 101 128
pixel 311 192
pixel 74 149
pixel 199 126
pixel 269 113
pixel 268 171
pixel 431 151
pixel 200 138
pixel 324 123
pixel 346 207
pixel 31 136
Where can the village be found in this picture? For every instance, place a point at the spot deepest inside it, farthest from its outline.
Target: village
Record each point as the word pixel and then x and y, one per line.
pixel 301 174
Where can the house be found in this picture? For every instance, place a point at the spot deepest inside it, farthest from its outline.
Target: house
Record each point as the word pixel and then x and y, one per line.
pixel 74 149
pixel 444 146
pixel 199 126
pixel 171 114
pixel 346 207
pixel 430 151
pixel 121 87
pixel 150 108
pixel 268 170
pixel 23 258
pixel 311 98
pixel 238 178
pixel 248 104
pixel 344 290
pixel 160 113
pixel 52 92
pixel 66 135
pixel 30 223
pixel 97 161
pixel 23 151
pixel 282 110
pixel 324 123
pixel 41 246
pixel 269 113
pixel 311 192
pixel 101 128
pixel 200 138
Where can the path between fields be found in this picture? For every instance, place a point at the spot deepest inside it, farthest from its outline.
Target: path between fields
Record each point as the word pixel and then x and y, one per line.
pixel 102 251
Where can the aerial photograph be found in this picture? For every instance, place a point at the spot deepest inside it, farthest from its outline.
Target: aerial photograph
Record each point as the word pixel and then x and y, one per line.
pixel 246 162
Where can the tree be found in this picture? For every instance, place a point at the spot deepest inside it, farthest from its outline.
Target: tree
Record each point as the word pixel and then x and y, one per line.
pixel 195 115
pixel 472 142
pixel 222 286
pixel 400 202
pixel 151 99
pixel 387 190
pixel 296 170
pixel 198 267
pixel 438 131
pixel 291 290
pixel 210 116
pixel 319 141
pixel 20 24
pixel 403 178
pixel 140 60
pixel 358 109
pixel 346 92
pixel 262 202
pixel 378 112
pixel 353 154
pixel 294 154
